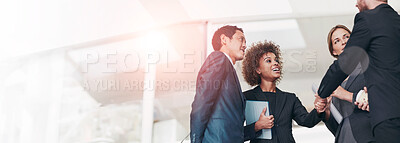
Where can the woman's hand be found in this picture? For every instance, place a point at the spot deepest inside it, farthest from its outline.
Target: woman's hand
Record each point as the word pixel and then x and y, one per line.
pixel 264 122
pixel 323 105
pixel 320 104
pixel 343 94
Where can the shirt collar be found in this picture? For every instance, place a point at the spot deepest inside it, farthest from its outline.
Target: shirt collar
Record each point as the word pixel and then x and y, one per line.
pixel 228 58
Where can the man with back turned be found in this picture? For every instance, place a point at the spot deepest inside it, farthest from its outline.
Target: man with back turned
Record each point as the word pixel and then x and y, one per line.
pixel 375 43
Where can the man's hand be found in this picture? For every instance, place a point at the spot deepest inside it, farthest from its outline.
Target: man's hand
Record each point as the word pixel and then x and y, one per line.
pixel 320 104
pixel 362 102
pixel 363 105
pixel 343 94
pixel 264 122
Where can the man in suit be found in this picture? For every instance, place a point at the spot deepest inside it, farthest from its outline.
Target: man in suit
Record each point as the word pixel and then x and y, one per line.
pixel 355 125
pixel 218 107
pixel 375 43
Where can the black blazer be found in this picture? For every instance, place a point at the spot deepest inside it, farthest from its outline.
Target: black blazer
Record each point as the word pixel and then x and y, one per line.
pixel 218 108
pixel 359 119
pixel 376 32
pixel 288 108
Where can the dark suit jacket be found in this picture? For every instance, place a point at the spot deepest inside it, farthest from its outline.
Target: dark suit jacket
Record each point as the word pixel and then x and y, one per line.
pixel 218 108
pixel 376 32
pixel 288 108
pixel 359 119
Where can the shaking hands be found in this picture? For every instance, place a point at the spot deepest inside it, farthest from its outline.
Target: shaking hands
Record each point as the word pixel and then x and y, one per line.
pixel 321 104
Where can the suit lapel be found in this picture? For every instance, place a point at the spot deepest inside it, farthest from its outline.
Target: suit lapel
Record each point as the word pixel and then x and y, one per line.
pixel 336 103
pixel 280 103
pixel 238 86
pixel 353 76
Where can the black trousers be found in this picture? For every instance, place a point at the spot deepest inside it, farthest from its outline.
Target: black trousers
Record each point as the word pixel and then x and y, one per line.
pixel 388 131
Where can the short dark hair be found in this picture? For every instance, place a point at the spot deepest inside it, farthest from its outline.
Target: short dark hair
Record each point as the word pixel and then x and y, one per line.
pixel 329 39
pixel 252 58
pixel 228 31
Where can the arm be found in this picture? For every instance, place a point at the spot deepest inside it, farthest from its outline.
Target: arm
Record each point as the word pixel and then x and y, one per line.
pixel 354 53
pixel 352 98
pixel 303 118
pixel 253 130
pixel 329 120
pixel 323 105
pixel 250 132
pixel 343 94
pixel 206 95
pixel 332 79
pixel 331 124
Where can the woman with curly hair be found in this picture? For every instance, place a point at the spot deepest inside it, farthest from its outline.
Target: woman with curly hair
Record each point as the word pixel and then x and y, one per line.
pixel 262 68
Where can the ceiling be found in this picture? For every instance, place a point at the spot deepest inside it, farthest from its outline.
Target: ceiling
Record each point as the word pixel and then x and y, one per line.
pixel 298 26
pixel 35 26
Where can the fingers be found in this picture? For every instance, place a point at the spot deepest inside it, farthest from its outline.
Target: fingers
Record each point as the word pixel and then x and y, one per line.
pixel 321 101
pixel 263 111
pixel 271 121
pixel 363 106
pixel 267 122
pixel 320 104
pixel 329 99
pixel 269 126
pixel 271 117
pixel 320 107
pixel 360 105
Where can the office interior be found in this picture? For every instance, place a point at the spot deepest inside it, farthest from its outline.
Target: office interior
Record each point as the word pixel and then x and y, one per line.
pixel 125 71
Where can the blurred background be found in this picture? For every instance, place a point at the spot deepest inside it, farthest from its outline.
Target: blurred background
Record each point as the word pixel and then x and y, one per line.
pixel 100 71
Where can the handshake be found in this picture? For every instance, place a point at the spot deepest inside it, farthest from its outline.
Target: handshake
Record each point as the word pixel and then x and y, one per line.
pixel 323 104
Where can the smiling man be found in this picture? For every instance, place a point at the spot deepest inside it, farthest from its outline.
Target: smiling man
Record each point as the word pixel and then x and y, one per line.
pixel 218 108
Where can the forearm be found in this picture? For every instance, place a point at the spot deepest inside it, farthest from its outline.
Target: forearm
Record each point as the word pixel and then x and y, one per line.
pixel 303 118
pixel 332 79
pixel 347 96
pixel 331 124
pixel 257 126
pixel 312 119
pixel 250 132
